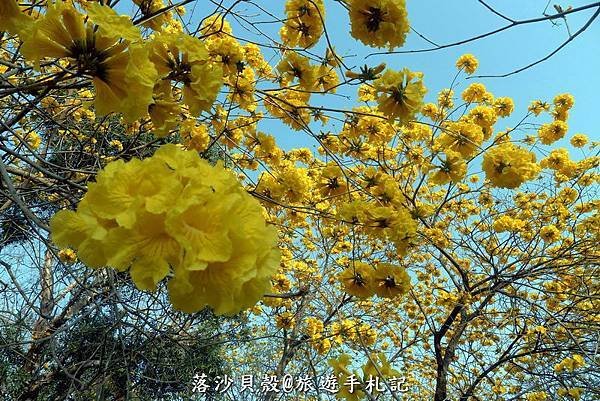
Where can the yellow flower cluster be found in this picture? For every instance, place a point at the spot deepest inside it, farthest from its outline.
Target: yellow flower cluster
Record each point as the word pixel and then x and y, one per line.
pixel 570 363
pixel 174 213
pixel 504 106
pixel 152 8
pixel 579 140
pixel 314 327
pixel 285 320
pixel 315 331
pixel 304 23
pixel 453 168
pixel 537 107
pixel 386 222
pixel 508 165
pixel 194 136
pixel 183 58
pixel 474 93
pixel 552 132
pixel 560 161
pixel 33 139
pixel 295 66
pixel 468 63
pixel 131 75
pixel 550 233
pixel 385 281
pixel 67 256
pixel 122 74
pixel 400 93
pixel 446 99
pixel 462 136
pixel 563 102
pixel 379 23
pixel 290 107
pixel 506 223
pixel 573 393
pixel 537 396
pixel 12 19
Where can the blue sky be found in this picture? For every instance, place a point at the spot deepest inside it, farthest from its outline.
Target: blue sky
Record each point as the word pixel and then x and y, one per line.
pixel 575 69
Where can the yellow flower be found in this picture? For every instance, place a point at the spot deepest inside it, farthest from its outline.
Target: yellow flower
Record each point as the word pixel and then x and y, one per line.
pixel 395 224
pixel 121 72
pixel 446 99
pixel 571 393
pixel 485 117
pixel 322 346
pixel 242 89
pixel 332 182
pixel 297 66
pixel 175 213
pixel 579 140
pixel 112 25
pixel 82 231
pixel 290 107
pixel 563 102
pixel 226 52
pixel 549 234
pixel 506 223
pixel 390 280
pixel 379 23
pixel 357 280
pixel 184 59
pixel 353 212
pixel 164 111
pixel 314 327
pixel 508 165
pixel 504 106
pixel 194 136
pixel 537 396
pixel 215 25
pixel 462 137
pixel 304 23
pixel 377 365
pixel 127 84
pixel 552 132
pixel 474 93
pixel 570 363
pixel 281 283
pixel 67 256
pixel 327 79
pixel 32 138
pixel 468 63
pixel 116 145
pixel 285 320
pixel 341 371
pixel 366 93
pixel 560 161
pixel 366 334
pixel 400 93
pixel 453 168
pixel 430 110
pixel 537 106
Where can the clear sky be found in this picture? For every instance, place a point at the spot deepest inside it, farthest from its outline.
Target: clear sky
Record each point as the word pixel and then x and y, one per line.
pixel 575 69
